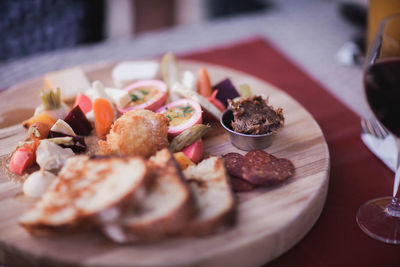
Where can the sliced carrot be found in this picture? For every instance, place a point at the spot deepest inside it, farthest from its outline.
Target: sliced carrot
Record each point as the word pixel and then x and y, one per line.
pixel 103 117
pixel 39 130
pixel 84 102
pixel 203 83
pixel 216 102
pixel 23 158
pixel 42 117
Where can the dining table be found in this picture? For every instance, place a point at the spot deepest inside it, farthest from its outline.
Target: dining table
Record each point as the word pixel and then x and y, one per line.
pixel 294 46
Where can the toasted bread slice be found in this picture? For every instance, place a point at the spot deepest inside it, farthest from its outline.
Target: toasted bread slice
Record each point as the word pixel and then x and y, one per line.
pixel 210 185
pixel 167 208
pixel 86 189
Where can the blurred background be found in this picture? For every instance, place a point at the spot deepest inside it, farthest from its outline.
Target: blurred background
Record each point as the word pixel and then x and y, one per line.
pixel 32 26
pixel 325 37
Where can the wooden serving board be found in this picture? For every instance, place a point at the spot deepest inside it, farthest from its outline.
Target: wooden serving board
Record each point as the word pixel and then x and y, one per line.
pixel 269 220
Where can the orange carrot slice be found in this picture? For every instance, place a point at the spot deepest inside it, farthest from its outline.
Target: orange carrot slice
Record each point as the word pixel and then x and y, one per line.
pixel 39 130
pixel 203 83
pixel 103 117
pixel 84 102
pixel 42 117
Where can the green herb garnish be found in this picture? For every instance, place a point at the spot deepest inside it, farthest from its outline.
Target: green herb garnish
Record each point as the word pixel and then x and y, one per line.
pixel 187 109
pixel 169 117
pixel 144 92
pixel 134 98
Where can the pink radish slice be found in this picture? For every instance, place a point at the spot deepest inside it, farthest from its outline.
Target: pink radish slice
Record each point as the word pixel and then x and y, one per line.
pixel 195 119
pixel 152 104
pixel 194 151
pixel 83 102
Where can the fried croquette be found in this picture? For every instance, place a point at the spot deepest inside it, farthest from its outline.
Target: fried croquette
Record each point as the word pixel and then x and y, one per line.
pixel 138 132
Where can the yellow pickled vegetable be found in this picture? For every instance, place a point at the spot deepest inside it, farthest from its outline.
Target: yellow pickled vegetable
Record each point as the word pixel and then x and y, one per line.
pixel 170 72
pixel 182 160
pixel 43 118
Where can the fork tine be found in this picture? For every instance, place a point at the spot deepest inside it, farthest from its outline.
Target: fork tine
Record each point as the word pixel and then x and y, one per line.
pixel 376 128
pixel 381 129
pixel 384 131
pixel 372 129
pixel 364 127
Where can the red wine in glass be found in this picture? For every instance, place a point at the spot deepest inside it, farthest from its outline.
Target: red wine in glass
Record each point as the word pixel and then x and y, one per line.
pixel 382 87
pixel 380 217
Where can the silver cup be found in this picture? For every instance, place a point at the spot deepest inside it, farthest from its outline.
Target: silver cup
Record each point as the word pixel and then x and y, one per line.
pixel 245 142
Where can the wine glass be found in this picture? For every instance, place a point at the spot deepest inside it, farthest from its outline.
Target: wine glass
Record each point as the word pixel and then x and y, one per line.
pixel 380 217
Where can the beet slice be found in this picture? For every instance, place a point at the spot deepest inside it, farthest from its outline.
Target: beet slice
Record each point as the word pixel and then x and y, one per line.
pixel 79 145
pixel 78 121
pixel 226 90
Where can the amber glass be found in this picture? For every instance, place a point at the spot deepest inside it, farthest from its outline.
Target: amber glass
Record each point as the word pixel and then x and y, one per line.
pixel 377 11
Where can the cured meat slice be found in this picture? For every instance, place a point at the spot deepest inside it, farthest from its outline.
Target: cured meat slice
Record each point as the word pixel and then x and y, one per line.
pixel 233 164
pixel 261 168
pixel 240 185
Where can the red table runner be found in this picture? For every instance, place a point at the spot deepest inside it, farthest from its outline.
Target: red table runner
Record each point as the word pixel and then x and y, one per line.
pixel 356 174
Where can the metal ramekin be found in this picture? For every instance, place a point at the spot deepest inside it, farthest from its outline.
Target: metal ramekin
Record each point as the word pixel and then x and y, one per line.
pixel 245 142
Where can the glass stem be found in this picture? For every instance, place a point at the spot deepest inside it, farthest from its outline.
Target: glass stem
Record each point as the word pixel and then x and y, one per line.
pixel 394 208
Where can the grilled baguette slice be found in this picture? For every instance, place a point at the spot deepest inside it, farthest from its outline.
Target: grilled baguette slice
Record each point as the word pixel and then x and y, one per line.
pixel 216 203
pixel 83 190
pixel 167 208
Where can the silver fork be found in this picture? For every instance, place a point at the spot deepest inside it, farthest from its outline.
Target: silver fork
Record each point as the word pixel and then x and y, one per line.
pixel 373 127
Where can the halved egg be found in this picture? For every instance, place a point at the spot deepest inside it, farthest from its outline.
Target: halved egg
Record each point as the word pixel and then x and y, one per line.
pixel 146 94
pixel 182 114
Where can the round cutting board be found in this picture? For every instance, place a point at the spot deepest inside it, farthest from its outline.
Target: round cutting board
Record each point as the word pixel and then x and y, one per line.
pixel 269 220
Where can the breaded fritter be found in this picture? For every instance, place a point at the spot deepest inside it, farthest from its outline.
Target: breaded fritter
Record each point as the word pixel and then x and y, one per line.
pixel 138 132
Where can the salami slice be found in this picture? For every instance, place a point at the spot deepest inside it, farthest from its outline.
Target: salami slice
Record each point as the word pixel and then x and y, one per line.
pixel 261 168
pixel 233 164
pixel 241 185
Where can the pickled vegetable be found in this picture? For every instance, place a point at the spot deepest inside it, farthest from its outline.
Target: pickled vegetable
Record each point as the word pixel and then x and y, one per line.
pixel 78 121
pixel 67 141
pixel 226 90
pixel 170 72
pixel 51 99
pixel 62 127
pixel 194 151
pixel 43 118
pixel 182 160
pixel 188 137
pixel 203 83
pixel 245 90
pixel 23 158
pixel 218 104
pixel 83 102
pixel 50 156
pixel 52 104
pixel 103 117
pixel 39 130
pixel 76 143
